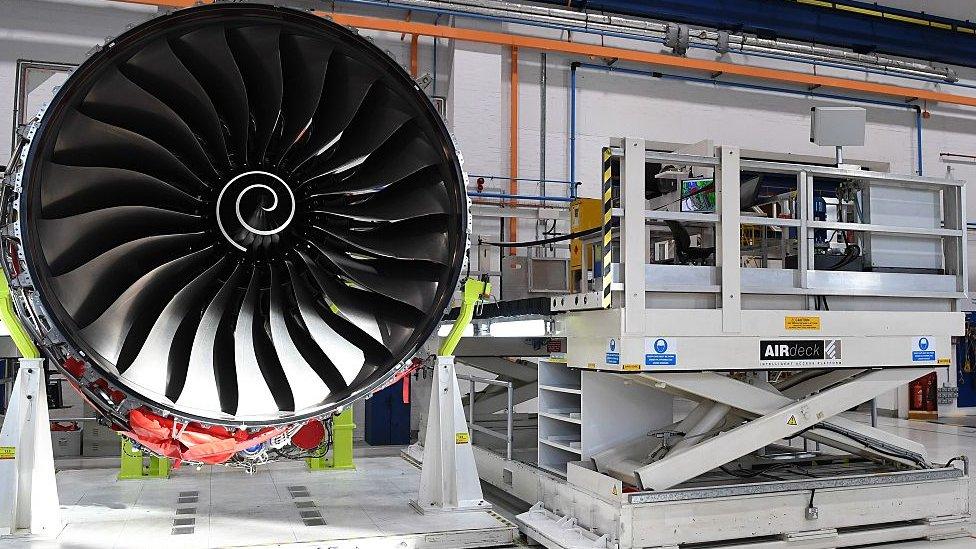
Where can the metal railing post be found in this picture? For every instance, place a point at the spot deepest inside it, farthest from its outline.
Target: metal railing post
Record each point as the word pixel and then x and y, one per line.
pixel 511 422
pixel 471 409
pixel 509 435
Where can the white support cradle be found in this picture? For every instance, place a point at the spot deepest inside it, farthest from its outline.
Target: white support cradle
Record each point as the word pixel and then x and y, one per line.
pixel 28 492
pixel 449 480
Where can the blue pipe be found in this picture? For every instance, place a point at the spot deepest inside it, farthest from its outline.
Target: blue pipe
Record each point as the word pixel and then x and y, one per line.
pixel 522 197
pixel 534 180
pixel 572 125
pixel 641 38
pixel 433 70
pixel 918 131
pixel 740 85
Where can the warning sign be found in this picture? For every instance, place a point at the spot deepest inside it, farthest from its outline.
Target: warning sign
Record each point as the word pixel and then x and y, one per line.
pixel 802 323
pixel 791 421
pixel 8 452
pixel 461 438
pixel 923 349
pixel 660 351
pixel 613 352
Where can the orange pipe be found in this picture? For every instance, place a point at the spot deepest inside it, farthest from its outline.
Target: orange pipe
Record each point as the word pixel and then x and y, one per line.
pixel 591 50
pixel 513 156
pixel 658 59
pixel 414 47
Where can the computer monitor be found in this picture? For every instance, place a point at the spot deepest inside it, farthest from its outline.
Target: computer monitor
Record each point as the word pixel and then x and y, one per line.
pixel 698 195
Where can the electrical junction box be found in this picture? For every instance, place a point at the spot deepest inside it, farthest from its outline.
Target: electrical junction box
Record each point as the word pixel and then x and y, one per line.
pixel 584 213
pixel 837 126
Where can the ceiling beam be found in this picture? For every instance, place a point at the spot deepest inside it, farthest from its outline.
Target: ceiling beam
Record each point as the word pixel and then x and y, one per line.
pixel 903 93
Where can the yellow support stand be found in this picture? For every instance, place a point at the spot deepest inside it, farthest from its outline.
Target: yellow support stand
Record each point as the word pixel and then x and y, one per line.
pixel 134 467
pixel 342 428
pixel 474 291
pixel 20 336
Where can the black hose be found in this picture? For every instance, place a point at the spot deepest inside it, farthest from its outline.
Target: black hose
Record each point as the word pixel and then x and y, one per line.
pixel 569 236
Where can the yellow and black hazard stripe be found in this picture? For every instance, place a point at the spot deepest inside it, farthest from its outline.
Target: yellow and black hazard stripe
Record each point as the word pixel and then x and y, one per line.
pixel 607 226
pixel 921 18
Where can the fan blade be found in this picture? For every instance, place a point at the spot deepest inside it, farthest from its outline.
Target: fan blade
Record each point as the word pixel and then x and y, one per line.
pixel 305 61
pixel 91 288
pixel 119 333
pixel 307 386
pixel 394 284
pixel 84 141
pixel 414 240
pixel 341 356
pixel 260 390
pixel 259 58
pixel 168 331
pixel 117 101
pixel 429 200
pixel 328 289
pixel 347 84
pixel 157 70
pixel 70 242
pixel 225 349
pixel 207 381
pixel 400 164
pixel 207 55
pixel 82 189
pixel 377 120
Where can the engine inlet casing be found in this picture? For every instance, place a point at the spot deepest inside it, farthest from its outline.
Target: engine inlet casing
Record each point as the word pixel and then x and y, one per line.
pixel 235 215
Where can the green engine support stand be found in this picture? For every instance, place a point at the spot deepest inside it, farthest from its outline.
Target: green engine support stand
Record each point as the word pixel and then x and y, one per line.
pixel 133 465
pixel 342 428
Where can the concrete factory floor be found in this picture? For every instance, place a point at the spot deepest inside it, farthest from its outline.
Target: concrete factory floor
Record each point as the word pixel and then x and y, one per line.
pixel 281 504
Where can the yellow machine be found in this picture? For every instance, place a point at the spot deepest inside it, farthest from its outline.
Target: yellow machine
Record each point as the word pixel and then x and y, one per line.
pixel 584 213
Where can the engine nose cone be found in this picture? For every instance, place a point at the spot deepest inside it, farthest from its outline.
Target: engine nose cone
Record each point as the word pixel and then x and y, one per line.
pixel 252 208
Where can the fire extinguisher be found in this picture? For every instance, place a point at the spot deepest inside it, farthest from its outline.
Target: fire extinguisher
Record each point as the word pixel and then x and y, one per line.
pixel 918 395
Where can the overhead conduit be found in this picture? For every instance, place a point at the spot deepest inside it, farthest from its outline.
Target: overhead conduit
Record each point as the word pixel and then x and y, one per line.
pixel 903 93
pixel 886 94
pixel 917 110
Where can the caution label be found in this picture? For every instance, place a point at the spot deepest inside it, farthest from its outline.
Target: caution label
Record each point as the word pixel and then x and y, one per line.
pixel 8 452
pixel 802 323
pixel 791 421
pixel 461 438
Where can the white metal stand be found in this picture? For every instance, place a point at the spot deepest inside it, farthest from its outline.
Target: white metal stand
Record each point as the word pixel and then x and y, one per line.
pixel 28 491
pixel 449 480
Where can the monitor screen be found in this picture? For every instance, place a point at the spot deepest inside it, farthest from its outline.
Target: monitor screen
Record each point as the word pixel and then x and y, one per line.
pixel 698 195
